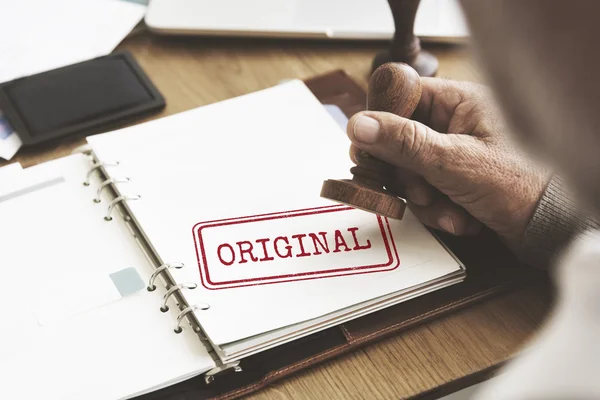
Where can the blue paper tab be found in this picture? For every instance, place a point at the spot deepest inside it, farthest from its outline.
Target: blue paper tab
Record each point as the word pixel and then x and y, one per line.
pixel 10 142
pixel 5 129
pixel 337 114
pixel 127 281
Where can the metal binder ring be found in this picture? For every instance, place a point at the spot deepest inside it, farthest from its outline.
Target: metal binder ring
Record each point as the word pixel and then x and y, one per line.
pixel 157 271
pixel 106 183
pixel 95 167
pixel 164 307
pixel 185 312
pixel 116 201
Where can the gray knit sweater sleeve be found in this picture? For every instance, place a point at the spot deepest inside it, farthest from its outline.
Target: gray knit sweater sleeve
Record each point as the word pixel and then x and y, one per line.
pixel 556 221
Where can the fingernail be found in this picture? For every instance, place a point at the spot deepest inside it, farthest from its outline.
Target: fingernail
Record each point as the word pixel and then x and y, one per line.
pixel 366 129
pixel 417 196
pixel 447 224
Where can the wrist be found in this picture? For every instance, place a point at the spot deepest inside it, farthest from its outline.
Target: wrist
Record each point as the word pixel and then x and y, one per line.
pixel 557 219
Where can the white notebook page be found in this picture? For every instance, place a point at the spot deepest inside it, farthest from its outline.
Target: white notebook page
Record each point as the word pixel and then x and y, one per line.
pixel 266 152
pixel 65 332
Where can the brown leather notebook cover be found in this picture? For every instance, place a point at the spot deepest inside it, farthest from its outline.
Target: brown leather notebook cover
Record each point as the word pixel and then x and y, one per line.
pixel 491 269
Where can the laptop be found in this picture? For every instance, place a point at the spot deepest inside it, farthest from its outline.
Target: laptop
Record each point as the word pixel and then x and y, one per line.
pixel 436 20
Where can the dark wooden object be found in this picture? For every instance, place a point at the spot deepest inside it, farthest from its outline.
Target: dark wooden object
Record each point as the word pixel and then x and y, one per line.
pixel 395 88
pixel 406 47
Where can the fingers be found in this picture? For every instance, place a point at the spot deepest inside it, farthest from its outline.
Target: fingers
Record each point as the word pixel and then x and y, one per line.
pixel 408 144
pixel 430 88
pixel 354 152
pixel 398 141
pixel 404 183
pixel 440 99
pixel 428 204
pixel 412 187
pixel 445 215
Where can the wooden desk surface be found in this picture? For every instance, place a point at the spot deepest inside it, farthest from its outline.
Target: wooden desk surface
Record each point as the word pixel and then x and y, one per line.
pixel 192 72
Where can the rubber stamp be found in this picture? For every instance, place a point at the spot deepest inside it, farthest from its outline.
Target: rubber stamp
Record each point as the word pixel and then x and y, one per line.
pixel 395 88
pixel 405 46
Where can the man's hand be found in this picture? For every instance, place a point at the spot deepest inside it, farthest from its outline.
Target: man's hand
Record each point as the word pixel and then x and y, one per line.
pixel 455 165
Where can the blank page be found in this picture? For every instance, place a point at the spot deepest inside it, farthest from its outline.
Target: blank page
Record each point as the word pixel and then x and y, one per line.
pixel 76 322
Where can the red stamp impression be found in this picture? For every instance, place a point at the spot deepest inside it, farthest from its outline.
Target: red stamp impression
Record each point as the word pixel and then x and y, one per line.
pixel 295 245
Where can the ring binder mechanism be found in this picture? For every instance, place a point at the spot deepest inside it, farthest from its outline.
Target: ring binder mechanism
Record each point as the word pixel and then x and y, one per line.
pixel 106 183
pixel 95 167
pixel 151 286
pixel 187 285
pixel 210 375
pixel 116 201
pixel 185 311
pixel 161 268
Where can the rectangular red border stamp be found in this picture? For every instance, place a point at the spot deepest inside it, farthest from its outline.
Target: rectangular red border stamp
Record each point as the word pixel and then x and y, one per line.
pixel 209 282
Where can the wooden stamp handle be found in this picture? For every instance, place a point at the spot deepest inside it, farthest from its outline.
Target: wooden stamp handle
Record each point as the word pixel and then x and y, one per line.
pixel 394 88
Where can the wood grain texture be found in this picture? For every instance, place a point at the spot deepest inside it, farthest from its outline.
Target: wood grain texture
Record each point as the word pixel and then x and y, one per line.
pixel 426 357
pixel 192 72
pixel 394 88
pixel 353 192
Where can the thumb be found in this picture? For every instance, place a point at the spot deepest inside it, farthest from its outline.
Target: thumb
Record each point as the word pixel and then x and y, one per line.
pixel 399 141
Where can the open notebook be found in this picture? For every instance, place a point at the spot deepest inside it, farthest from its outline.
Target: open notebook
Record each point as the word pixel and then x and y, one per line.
pixel 220 207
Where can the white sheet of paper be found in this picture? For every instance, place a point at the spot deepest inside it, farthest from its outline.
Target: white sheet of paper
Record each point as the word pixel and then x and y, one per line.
pixel 53 301
pixel 10 142
pixel 10 172
pixel 337 114
pixel 255 344
pixel 40 35
pixel 54 246
pixel 263 153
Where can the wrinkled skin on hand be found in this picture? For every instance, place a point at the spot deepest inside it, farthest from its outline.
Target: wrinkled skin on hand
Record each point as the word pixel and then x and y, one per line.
pixel 454 162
